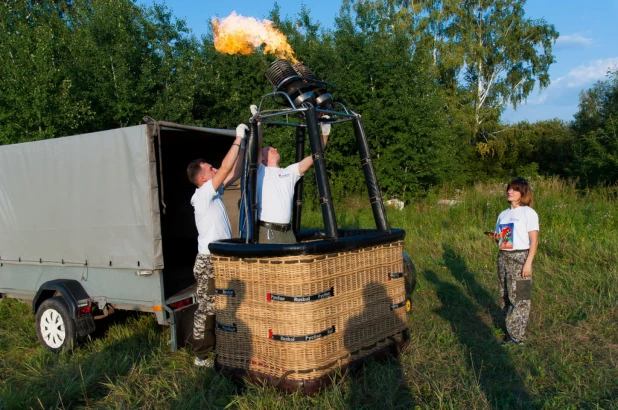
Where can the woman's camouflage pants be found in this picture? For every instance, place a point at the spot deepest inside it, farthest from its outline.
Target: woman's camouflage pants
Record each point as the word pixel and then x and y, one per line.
pixel 204 321
pixel 514 291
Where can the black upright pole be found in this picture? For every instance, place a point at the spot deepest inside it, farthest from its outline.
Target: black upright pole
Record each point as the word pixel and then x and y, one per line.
pixel 298 189
pixel 375 197
pixel 244 226
pixel 326 200
pixel 252 149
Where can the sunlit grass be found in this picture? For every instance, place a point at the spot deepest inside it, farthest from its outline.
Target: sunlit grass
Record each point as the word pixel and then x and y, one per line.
pixel 454 359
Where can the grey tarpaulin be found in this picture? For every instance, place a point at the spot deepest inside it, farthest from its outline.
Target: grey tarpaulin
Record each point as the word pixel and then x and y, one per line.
pixel 87 198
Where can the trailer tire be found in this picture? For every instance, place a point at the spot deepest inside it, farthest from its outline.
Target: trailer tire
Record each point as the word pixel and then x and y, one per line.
pixel 55 328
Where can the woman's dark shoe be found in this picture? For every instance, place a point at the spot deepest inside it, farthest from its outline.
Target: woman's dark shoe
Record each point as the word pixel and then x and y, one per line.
pixel 512 341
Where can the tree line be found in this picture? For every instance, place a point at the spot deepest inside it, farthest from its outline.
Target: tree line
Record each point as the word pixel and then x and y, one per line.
pixel 431 79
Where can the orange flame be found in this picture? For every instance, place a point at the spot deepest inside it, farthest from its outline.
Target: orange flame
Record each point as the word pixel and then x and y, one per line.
pixel 236 34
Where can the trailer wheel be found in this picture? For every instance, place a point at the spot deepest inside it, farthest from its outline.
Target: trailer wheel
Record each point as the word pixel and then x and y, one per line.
pixel 55 328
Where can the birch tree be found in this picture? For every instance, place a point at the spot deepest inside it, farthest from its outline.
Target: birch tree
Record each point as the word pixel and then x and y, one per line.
pixel 487 53
pixel 504 54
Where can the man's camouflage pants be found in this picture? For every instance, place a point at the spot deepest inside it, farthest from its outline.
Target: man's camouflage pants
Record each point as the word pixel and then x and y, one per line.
pixel 514 292
pixel 204 321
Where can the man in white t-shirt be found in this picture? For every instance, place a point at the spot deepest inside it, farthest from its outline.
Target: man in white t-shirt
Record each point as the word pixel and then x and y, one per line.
pixel 275 188
pixel 212 224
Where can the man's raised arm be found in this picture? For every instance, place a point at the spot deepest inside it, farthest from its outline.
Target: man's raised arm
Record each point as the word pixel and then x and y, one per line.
pixel 307 162
pixel 227 165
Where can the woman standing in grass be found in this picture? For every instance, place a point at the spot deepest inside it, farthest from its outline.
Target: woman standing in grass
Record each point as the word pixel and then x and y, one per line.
pixel 517 234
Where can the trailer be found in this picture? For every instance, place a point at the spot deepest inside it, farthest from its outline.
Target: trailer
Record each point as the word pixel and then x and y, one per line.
pixel 98 222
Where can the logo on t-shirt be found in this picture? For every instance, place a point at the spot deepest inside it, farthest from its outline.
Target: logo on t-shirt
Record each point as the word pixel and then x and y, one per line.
pixel 506 235
pixel 283 175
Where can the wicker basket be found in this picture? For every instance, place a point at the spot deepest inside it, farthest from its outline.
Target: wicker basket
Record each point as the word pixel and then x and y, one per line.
pixel 300 317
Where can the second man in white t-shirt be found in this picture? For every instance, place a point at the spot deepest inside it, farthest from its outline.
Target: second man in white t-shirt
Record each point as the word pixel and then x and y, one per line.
pixel 275 188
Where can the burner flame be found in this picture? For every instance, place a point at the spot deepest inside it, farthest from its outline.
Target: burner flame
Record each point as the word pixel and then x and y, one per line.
pixel 236 34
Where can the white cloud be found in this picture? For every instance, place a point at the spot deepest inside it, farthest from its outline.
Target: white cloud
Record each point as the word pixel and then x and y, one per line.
pixel 540 99
pixel 586 74
pixel 564 90
pixel 571 40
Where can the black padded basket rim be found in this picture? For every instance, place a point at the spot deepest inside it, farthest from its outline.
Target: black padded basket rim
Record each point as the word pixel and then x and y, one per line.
pixel 348 240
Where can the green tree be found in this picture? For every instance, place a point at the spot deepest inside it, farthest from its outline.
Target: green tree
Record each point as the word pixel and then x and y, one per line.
pixel 498 52
pixel 544 147
pixel 388 80
pixel 553 142
pixel 505 53
pixel 129 59
pixel 175 69
pixel 82 66
pixel 596 142
pixel 38 98
pixel 487 53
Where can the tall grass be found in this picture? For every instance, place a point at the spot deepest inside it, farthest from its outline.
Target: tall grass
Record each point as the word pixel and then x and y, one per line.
pixel 454 359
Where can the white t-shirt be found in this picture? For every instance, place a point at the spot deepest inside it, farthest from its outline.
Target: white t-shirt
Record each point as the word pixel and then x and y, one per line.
pixel 275 187
pixel 210 216
pixel 513 226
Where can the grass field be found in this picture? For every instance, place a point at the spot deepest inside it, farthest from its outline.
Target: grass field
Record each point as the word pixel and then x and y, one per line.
pixel 454 360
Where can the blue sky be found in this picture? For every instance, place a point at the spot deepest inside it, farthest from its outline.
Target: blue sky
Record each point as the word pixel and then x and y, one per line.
pixel 584 52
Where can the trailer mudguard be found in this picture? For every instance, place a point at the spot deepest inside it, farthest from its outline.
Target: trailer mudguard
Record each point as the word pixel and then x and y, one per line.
pixel 71 291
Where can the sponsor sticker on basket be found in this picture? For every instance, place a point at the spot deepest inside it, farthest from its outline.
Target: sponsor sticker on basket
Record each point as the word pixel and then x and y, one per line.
pixel 305 338
pixel 227 328
pixel 277 297
pixel 398 305
pixel 327 294
pixel 395 275
pixel 225 292
pixel 302 299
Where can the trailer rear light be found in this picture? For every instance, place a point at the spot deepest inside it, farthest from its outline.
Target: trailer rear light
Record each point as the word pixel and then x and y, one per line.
pixel 180 303
pixel 157 308
pixel 84 310
pixel 84 307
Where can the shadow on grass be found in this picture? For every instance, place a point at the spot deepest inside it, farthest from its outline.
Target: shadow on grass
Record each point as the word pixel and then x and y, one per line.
pixel 497 374
pixel 378 383
pixel 47 380
pixel 457 266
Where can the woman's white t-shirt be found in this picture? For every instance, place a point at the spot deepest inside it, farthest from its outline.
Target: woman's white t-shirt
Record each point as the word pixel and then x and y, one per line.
pixel 210 216
pixel 513 226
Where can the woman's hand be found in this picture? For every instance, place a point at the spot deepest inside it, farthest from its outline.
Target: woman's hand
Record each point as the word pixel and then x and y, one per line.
pixel 534 244
pixel 493 235
pixel 527 271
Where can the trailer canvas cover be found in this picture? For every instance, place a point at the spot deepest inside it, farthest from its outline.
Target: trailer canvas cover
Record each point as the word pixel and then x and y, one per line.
pixel 89 198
